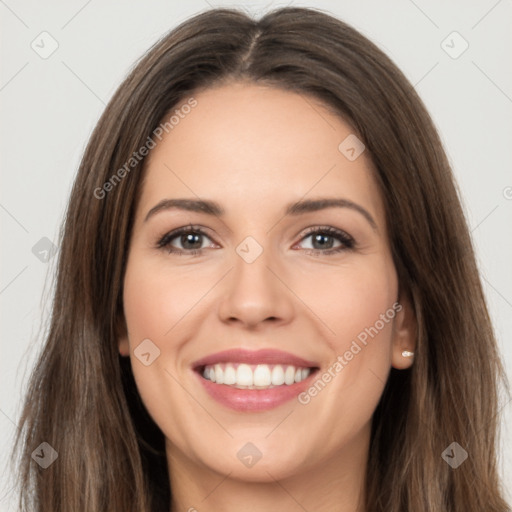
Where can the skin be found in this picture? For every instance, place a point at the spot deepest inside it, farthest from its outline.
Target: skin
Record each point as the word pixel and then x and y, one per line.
pixel 254 149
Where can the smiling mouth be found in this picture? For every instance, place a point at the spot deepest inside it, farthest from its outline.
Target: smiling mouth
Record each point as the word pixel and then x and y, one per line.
pixel 254 376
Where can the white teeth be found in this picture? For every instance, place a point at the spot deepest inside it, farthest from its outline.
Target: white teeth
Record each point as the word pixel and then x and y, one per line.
pixel 219 374
pixel 229 375
pixel 262 376
pixel 289 375
pixel 259 376
pixel 277 375
pixel 244 375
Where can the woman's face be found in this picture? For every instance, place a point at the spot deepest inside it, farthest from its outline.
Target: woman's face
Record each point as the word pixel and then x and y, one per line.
pixel 276 283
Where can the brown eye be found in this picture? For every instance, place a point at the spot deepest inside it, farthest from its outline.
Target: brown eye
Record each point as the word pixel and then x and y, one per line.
pixel 328 240
pixel 187 240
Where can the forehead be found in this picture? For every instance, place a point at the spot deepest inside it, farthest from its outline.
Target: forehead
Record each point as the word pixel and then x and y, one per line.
pixel 247 144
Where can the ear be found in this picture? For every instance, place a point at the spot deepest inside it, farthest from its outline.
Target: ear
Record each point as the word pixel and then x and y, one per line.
pixel 404 333
pixel 122 337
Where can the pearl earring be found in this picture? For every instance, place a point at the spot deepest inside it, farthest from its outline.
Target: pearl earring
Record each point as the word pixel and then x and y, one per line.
pixel 406 353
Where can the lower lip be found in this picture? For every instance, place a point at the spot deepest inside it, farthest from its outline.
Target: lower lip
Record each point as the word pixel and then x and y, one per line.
pixel 250 400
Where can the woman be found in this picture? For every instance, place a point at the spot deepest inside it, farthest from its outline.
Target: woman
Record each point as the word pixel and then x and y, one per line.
pixel 323 343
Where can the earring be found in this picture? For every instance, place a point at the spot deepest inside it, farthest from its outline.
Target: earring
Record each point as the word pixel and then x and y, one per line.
pixel 406 353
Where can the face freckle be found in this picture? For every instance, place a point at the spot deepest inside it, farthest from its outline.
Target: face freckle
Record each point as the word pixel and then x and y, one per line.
pixel 316 283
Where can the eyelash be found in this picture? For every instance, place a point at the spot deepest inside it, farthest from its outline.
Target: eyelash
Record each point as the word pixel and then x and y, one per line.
pixel 347 242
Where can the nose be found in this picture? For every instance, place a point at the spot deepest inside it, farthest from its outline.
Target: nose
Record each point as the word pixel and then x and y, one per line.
pixel 256 293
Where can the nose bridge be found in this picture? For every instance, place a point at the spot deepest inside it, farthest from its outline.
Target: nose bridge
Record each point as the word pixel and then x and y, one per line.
pixel 253 293
pixel 252 279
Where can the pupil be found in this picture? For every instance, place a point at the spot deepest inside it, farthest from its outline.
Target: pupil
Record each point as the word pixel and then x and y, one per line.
pixel 192 238
pixel 321 238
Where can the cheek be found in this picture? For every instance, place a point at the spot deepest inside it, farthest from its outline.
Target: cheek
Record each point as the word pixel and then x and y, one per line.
pixel 153 307
pixel 349 299
pixel 356 306
pixel 151 311
pixel 155 300
pixel 359 307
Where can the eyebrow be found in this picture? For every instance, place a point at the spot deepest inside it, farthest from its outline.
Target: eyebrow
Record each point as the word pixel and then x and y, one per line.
pixel 298 208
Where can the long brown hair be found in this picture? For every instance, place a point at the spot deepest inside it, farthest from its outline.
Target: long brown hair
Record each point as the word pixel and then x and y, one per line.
pixel 82 399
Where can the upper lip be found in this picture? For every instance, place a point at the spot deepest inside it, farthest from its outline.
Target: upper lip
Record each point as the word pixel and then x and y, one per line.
pixel 264 356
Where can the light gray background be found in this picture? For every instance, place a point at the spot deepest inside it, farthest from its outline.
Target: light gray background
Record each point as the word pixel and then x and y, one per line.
pixel 50 106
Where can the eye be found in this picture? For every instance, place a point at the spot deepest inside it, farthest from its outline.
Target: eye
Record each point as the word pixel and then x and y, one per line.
pixel 327 240
pixel 190 238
